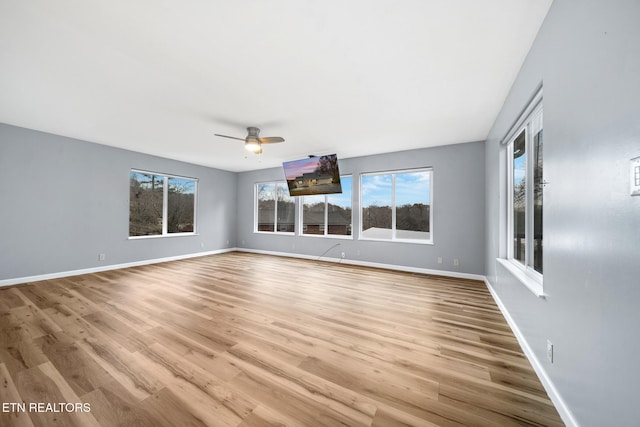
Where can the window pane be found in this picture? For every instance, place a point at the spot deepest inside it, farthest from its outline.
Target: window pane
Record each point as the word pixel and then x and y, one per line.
pixel 519 197
pixel 537 200
pixel 413 201
pixel 266 207
pixel 145 204
pixel 181 205
pixel 313 214
pixel 339 206
pixel 286 208
pixel 376 206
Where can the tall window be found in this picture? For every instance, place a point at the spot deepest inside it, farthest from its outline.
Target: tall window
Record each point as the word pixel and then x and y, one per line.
pixel 161 205
pixel 526 192
pixel 330 214
pixel 397 206
pixel 275 209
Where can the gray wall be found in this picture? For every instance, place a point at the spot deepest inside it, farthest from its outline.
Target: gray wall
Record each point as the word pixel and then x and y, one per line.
pixel 458 216
pixel 65 201
pixel 588 56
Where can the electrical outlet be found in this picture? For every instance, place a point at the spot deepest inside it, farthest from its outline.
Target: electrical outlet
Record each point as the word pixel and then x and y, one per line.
pixel 342 255
pixel 439 260
pixel 635 176
pixel 102 257
pixel 550 351
pixel 456 261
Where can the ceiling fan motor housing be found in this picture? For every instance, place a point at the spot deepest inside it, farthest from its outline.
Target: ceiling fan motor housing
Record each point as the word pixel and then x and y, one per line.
pixel 253 131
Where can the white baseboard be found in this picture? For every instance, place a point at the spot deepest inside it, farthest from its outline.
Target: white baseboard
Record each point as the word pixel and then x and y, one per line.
pixel 16 281
pixel 370 264
pixel 57 275
pixel 554 395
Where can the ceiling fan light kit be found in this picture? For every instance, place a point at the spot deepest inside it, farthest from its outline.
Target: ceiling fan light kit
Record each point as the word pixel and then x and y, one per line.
pixel 253 142
pixel 253 145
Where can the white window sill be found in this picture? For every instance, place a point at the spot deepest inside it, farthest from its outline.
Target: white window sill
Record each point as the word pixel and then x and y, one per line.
pixel 414 241
pixel 534 284
pixel 329 236
pixel 279 233
pixel 160 236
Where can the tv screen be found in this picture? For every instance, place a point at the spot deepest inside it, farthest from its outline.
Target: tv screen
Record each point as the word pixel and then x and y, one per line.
pixel 314 175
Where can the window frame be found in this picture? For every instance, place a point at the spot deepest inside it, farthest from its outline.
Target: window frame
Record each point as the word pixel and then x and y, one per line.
pixel 525 271
pixel 326 217
pixel 393 174
pixel 275 211
pixel 165 205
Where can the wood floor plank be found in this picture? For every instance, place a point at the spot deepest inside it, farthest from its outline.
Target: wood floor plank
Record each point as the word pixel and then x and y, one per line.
pixel 111 411
pixel 263 416
pixel 82 373
pixel 386 417
pixel 10 298
pixel 121 365
pixel 174 411
pixel 113 406
pixel 22 354
pixel 9 394
pixel 330 395
pixel 245 340
pixel 183 375
pixel 45 386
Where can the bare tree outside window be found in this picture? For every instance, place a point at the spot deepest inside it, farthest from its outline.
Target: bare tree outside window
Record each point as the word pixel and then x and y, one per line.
pixel 275 209
pixel 339 215
pixel 266 207
pixel 286 209
pixel 313 214
pixel 148 215
pixel 145 204
pixel 328 214
pixel 181 205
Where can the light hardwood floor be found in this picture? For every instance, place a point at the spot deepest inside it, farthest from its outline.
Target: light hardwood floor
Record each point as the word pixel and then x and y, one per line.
pixel 251 340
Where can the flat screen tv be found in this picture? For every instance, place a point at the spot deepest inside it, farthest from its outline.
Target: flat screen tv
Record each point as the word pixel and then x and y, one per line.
pixel 314 175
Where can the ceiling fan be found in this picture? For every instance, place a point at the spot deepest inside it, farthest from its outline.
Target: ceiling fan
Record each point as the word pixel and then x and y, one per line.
pixel 253 142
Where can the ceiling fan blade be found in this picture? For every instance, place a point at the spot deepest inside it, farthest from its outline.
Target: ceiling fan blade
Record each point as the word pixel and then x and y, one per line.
pixel 227 136
pixel 271 140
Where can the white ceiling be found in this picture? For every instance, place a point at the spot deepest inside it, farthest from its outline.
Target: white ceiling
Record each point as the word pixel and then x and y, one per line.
pixel 351 77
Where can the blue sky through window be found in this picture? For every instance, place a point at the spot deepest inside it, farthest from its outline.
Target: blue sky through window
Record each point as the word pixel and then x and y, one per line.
pixel 411 187
pixel 519 166
pixel 342 199
pixel 376 190
pixel 182 185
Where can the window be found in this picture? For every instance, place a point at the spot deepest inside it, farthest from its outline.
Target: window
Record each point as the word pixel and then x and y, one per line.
pixel 526 193
pixel 161 205
pixel 397 206
pixel 275 209
pixel 180 205
pixel 330 214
